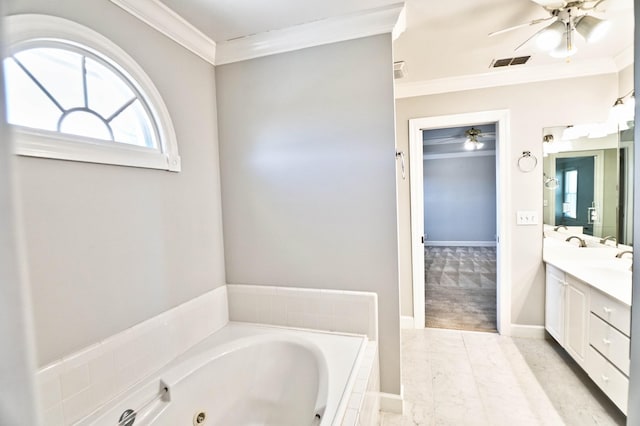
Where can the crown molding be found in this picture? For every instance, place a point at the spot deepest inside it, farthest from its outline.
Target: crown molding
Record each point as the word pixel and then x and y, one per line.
pixel 401 24
pixel 624 58
pixel 509 77
pixel 325 31
pixel 161 18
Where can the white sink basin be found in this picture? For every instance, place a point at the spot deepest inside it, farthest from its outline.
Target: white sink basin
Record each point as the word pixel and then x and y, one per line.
pixel 595 265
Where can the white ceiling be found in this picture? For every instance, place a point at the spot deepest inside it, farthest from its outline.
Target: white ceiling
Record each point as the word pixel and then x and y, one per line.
pixel 223 20
pixel 450 38
pixel 443 39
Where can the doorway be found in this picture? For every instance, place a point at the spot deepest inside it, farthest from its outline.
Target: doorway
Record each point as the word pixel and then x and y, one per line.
pixel 459 175
pixel 416 128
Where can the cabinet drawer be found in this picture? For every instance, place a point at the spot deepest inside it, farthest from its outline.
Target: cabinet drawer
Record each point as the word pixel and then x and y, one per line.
pixel 612 311
pixel 612 382
pixel 610 343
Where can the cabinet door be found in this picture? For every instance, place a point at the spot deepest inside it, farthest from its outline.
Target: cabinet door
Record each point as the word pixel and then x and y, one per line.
pixel 554 303
pixel 576 319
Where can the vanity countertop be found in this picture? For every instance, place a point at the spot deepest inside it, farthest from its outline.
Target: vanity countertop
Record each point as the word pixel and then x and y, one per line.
pixel 595 265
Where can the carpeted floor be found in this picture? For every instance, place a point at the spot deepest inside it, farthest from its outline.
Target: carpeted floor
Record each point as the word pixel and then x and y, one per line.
pixel 460 291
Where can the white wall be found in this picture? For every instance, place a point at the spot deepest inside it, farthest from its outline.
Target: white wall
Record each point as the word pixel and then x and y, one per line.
pixel 460 199
pixel 532 106
pixel 108 246
pixel 308 166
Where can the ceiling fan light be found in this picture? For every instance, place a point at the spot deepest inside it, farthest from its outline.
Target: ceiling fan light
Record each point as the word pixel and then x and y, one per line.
pixel 564 51
pixel 469 145
pixel 479 145
pixel 551 37
pixel 592 29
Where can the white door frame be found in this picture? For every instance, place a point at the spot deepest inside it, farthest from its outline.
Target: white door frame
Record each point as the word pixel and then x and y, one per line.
pixel 503 208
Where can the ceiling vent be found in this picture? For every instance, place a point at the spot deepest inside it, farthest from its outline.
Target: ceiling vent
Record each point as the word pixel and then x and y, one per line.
pixel 507 62
pixel 399 69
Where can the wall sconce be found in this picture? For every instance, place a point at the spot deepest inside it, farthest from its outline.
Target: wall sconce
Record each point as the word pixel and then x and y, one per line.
pixel 623 109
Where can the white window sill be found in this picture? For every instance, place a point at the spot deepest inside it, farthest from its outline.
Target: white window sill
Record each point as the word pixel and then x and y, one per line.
pixel 44 144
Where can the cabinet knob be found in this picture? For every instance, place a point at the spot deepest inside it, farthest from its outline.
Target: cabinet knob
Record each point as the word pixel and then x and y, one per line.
pixel 605 378
pixel 606 341
pixel 606 310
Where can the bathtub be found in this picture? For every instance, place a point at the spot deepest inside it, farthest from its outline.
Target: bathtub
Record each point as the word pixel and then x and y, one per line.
pixel 246 374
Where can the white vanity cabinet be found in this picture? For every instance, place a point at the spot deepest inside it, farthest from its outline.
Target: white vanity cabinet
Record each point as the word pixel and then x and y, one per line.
pixel 608 355
pixel 567 312
pixel 576 316
pixel 554 303
pixel 594 328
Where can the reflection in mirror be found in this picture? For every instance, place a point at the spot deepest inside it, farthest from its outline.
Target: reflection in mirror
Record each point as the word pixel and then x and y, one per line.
pixel 587 179
pixel 625 187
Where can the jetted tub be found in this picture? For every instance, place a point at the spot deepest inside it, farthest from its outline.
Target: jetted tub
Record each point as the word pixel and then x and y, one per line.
pixel 246 375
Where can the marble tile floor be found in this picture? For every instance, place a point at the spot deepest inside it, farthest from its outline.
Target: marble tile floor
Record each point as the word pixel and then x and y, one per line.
pixel 465 378
pixel 460 288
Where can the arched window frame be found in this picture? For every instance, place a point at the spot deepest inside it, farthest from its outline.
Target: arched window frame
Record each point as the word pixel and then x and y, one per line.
pixel 29 30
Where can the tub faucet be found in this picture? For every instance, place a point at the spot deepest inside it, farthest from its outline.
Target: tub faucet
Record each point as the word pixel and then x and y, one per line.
pixel 560 226
pixel 582 242
pixel 608 238
pixel 622 253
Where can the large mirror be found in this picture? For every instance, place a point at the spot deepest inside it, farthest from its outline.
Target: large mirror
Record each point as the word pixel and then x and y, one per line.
pixel 588 175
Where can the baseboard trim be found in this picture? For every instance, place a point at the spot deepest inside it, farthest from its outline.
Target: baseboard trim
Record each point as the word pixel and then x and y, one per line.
pixel 528 331
pixel 406 322
pixel 391 403
pixel 460 243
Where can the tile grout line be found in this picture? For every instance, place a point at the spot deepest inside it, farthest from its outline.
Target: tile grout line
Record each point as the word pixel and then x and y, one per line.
pixel 475 380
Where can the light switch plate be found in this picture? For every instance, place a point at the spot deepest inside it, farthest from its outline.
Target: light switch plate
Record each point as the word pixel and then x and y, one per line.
pixel 527 217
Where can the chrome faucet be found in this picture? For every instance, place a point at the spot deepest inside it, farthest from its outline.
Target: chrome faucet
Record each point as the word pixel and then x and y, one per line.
pixel 560 226
pixel 622 253
pixel 582 242
pixel 608 238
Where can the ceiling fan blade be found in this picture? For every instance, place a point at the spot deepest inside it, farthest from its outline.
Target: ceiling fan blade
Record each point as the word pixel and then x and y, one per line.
pixel 515 27
pixel 594 6
pixel 551 4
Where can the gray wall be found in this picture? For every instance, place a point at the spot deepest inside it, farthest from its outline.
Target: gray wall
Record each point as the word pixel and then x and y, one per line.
pixel 460 199
pixel 308 172
pixel 575 100
pixel 108 246
pixel 17 396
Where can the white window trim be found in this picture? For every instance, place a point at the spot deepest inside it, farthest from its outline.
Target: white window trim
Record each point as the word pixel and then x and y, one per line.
pixel 46 144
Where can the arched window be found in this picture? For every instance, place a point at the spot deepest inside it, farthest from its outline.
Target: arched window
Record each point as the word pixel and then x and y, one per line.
pixel 74 95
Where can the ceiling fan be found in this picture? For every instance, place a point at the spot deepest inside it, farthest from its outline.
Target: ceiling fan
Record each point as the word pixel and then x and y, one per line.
pixel 567 18
pixel 471 139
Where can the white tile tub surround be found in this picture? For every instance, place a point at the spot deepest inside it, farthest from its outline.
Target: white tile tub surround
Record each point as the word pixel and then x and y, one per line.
pixel 363 408
pixel 327 310
pixel 76 385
